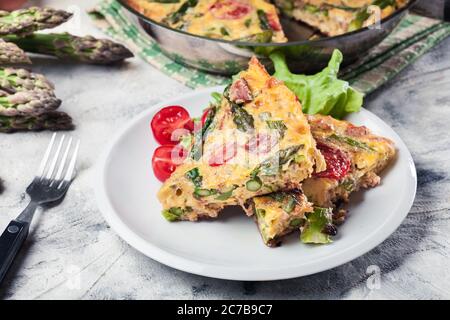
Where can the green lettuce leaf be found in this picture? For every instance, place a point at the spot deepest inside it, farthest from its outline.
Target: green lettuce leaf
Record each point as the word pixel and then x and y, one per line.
pixel 316 221
pixel 323 92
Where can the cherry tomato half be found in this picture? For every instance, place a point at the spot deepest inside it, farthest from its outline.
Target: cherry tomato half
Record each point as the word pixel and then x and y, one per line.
pixel 338 163
pixel 169 119
pixel 273 22
pixel 223 154
pixel 229 9
pixel 165 160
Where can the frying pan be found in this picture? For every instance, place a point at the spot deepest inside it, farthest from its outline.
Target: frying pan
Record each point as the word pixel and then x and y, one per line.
pixel 303 55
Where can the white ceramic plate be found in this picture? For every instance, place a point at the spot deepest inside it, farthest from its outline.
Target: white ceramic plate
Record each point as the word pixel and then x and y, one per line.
pixel 231 247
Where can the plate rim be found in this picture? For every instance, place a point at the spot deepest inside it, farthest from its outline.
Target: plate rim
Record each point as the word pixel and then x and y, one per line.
pixel 373 239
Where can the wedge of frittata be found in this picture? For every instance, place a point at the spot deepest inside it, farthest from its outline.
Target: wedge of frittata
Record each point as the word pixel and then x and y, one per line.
pixel 354 157
pixel 258 142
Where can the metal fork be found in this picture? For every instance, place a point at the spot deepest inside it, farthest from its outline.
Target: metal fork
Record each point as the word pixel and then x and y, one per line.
pixel 51 183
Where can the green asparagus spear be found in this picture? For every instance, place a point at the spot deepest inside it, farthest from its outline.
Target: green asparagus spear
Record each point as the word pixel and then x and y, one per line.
pixel 12 54
pixel 263 20
pixel 53 120
pixel 23 92
pixel 27 103
pixel 27 21
pixel 66 46
pixel 13 80
pixel 241 118
pixel 274 164
pixel 176 16
pixel 261 37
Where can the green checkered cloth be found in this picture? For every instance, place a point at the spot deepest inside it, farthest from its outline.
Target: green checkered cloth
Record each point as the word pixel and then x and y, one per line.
pixel 414 36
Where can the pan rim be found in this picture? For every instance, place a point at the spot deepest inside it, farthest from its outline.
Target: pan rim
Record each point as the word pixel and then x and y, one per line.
pixel 142 17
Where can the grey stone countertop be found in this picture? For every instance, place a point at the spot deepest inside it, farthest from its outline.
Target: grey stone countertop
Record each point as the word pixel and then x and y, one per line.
pixel 71 252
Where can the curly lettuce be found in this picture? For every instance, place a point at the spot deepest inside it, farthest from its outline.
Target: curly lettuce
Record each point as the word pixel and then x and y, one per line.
pixel 323 92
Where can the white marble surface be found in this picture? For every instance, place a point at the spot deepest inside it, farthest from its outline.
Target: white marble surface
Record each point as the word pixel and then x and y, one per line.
pixel 72 254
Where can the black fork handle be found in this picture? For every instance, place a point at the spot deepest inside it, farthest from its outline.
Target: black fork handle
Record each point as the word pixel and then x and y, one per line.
pixel 13 238
pixel 10 243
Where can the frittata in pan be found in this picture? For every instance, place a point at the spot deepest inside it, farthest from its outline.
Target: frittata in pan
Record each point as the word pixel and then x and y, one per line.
pixel 258 142
pixel 335 17
pixel 258 20
pixel 244 20
pixel 354 157
pixel 155 10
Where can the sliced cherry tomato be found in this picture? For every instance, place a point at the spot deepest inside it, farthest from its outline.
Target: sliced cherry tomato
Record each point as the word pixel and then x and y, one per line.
pixel 273 22
pixel 223 154
pixel 338 163
pixel 165 160
pixel 205 116
pixel 261 143
pixel 169 119
pixel 229 9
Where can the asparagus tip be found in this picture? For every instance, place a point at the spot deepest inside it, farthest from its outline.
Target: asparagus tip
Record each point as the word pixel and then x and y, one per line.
pixel 10 53
pixel 53 120
pixel 26 21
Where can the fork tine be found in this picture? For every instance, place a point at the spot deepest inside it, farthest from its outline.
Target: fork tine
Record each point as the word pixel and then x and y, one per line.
pixel 63 161
pixel 46 156
pixel 70 170
pixel 55 159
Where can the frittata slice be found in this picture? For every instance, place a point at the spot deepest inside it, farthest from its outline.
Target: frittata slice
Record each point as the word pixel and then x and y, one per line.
pixel 354 157
pixel 258 142
pixel 244 20
pixel 368 155
pixel 279 213
pixel 335 17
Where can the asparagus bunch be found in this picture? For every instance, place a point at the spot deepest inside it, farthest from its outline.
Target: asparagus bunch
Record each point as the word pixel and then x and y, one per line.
pixel 52 120
pixel 27 100
pixel 66 46
pixel 12 54
pixel 26 21
pixel 19 27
